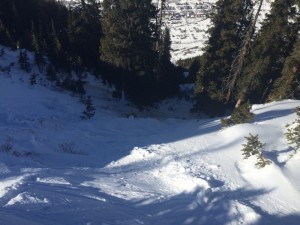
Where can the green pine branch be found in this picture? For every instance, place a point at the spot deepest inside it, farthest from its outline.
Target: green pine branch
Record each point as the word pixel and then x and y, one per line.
pixel 253 147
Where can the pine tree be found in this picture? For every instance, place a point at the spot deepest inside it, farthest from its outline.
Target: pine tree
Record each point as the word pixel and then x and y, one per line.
pixel 128 43
pixel 165 46
pixel 239 59
pixel 84 31
pixel 5 37
pixel 229 25
pixel 239 115
pixel 55 47
pixel 270 48
pixel 287 86
pixel 51 73
pixel 128 34
pixel 262 161
pixel 33 79
pixel 293 133
pixel 89 111
pixel 38 53
pixel 24 61
pixel 166 78
pixel 253 147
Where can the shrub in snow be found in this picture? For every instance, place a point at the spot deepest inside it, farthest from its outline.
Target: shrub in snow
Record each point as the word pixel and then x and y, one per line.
pixel 293 133
pixel 239 115
pixel 2 52
pixel 33 79
pixel 253 147
pixel 24 61
pixel 90 110
pixel 70 148
pixel 7 146
pixel 51 73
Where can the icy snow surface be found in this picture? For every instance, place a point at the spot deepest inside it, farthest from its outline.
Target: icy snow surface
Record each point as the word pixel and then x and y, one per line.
pixel 158 167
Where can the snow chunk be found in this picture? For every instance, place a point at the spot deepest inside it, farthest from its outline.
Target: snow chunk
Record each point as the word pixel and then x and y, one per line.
pixel 26 198
pixel 53 180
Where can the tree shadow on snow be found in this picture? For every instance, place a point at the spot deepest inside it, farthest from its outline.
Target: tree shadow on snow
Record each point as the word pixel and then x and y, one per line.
pixel 272 114
pixel 274 155
pixel 122 143
pixel 213 208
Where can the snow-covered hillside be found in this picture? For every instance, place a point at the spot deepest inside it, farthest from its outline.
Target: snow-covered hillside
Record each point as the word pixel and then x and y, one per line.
pixel 129 167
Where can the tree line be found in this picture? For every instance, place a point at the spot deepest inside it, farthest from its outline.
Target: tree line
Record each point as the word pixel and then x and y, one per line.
pixel 241 65
pixel 123 41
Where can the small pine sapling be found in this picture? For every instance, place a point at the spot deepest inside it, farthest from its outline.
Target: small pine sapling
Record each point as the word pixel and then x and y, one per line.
pixel 2 52
pixel 24 61
pixel 7 146
pixel 253 147
pixel 261 160
pixel 293 133
pixel 33 79
pixel 51 73
pixel 90 110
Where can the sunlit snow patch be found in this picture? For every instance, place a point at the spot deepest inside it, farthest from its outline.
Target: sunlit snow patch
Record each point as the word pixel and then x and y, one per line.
pixel 10 183
pixel 26 198
pixel 53 180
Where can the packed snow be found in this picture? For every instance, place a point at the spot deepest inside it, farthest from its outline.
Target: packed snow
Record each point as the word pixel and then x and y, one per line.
pixel 159 166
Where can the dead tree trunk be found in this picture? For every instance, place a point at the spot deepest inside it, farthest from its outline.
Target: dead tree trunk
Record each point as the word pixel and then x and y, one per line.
pixel 237 64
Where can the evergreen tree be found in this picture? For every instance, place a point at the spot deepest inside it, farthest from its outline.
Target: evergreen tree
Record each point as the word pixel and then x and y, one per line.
pixel 2 52
pixel 56 47
pixel 287 86
pixel 165 46
pixel 229 24
pixel 128 43
pixel 37 25
pixel 84 31
pixel 239 115
pixel 165 71
pixel 38 53
pixel 5 37
pixel 89 111
pixel 24 61
pixel 293 133
pixel 271 46
pixel 51 73
pixel 33 79
pixel 253 147
pixel 128 34
pixel 34 39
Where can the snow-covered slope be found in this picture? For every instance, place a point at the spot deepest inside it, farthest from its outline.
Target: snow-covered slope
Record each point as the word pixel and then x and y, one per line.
pixel 129 167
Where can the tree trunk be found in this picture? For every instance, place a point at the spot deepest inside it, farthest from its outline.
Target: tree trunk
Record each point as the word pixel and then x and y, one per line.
pixel 237 64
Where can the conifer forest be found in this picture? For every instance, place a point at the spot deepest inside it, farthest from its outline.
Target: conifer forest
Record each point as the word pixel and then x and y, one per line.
pixel 127 44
